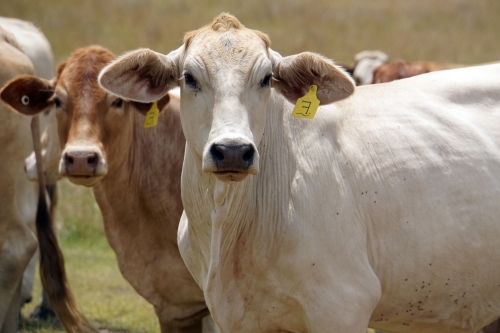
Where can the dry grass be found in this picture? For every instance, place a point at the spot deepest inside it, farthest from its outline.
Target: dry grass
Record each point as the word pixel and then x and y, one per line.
pixel 461 31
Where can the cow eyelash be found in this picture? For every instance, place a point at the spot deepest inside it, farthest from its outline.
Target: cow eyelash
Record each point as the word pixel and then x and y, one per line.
pixel 265 81
pixel 190 80
pixel 117 103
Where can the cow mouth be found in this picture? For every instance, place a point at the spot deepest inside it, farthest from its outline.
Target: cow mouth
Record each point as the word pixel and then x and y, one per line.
pixel 87 181
pixel 231 175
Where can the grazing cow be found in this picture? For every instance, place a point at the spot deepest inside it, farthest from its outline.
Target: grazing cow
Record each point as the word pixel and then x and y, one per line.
pixel 365 63
pixel 381 211
pixel 37 48
pixel 135 174
pixel 400 69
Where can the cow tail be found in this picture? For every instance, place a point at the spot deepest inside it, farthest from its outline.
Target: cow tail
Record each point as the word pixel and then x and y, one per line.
pixel 52 272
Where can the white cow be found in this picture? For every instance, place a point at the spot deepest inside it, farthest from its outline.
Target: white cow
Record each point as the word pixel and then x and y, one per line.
pixel 382 211
pixel 365 63
pixel 36 46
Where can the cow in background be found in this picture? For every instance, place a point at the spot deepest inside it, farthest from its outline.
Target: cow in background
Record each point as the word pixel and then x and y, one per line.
pixel 365 63
pixel 23 203
pixel 401 69
pixel 36 46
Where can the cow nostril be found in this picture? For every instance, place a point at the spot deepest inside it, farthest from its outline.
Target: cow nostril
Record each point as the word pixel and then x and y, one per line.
pixel 217 155
pixel 68 159
pixel 248 156
pixel 92 161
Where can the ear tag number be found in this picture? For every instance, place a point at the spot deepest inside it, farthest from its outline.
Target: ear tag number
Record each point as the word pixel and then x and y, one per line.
pixel 307 105
pixel 152 116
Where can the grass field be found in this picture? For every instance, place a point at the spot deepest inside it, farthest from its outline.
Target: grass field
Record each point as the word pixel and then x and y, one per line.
pixel 460 31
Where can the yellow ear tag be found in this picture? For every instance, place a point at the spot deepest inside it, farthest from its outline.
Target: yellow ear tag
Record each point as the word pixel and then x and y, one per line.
pixel 307 106
pixel 152 116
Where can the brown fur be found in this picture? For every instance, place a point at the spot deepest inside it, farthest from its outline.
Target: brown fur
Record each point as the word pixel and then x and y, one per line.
pixel 139 197
pixel 400 69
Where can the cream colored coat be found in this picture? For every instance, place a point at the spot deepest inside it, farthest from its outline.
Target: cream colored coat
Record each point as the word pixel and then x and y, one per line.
pixel 18 195
pixel 382 211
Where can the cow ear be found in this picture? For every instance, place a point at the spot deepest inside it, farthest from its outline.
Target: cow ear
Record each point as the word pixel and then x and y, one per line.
pixel 294 75
pixel 29 94
pixel 142 76
pixel 145 107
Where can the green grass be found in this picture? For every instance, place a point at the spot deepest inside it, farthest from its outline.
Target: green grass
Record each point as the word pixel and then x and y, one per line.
pixel 102 293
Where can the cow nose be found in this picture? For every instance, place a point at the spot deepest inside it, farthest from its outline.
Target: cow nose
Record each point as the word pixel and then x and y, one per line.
pixel 81 163
pixel 232 157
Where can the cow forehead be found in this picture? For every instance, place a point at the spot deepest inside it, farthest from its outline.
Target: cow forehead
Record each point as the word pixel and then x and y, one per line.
pixel 80 72
pixel 216 54
pixel 219 48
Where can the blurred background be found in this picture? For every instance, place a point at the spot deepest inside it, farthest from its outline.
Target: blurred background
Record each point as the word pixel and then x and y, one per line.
pixel 455 31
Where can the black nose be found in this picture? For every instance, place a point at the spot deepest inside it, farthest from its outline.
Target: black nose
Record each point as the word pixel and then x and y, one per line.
pixel 232 157
pixel 81 163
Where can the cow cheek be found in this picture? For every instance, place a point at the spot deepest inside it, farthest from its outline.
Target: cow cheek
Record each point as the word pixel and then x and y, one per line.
pixel 196 125
pixel 63 126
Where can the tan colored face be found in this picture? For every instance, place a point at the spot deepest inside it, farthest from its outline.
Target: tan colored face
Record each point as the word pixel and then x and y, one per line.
pixel 90 121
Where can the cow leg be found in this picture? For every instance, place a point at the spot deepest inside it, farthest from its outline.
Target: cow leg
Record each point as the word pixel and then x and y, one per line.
pixel 28 279
pixel 10 324
pixel 196 328
pixel 16 249
pixel 199 322
pixel 206 325
pixel 44 310
pixel 209 325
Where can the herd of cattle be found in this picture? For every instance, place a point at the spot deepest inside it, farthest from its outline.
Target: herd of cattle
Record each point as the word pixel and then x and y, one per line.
pixel 230 215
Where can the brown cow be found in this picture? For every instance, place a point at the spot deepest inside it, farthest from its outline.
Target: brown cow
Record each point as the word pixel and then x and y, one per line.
pixel 401 69
pixel 135 174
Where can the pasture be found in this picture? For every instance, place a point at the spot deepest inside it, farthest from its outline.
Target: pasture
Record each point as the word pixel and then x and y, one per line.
pixel 457 31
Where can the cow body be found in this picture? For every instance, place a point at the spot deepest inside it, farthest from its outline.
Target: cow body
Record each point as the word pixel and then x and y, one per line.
pixel 400 69
pixel 135 175
pixel 37 48
pixel 381 211
pixel 19 195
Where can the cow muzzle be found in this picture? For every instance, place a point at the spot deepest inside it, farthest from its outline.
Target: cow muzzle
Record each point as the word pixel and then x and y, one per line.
pixel 83 166
pixel 231 161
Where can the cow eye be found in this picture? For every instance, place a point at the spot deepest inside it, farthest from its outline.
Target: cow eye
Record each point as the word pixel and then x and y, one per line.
pixel 117 103
pixel 57 102
pixel 190 80
pixel 265 81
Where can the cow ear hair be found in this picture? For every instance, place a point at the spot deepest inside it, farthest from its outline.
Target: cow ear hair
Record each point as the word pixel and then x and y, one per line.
pixel 294 75
pixel 141 76
pixel 29 95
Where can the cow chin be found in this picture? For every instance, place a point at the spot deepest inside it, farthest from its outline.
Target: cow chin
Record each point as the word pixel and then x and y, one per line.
pixel 87 181
pixel 231 176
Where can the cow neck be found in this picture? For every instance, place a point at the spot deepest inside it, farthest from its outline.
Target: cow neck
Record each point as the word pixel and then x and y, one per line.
pixel 147 182
pixel 243 218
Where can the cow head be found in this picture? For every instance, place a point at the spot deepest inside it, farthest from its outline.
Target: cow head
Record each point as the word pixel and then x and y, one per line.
pixel 365 63
pixel 95 128
pixel 226 73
